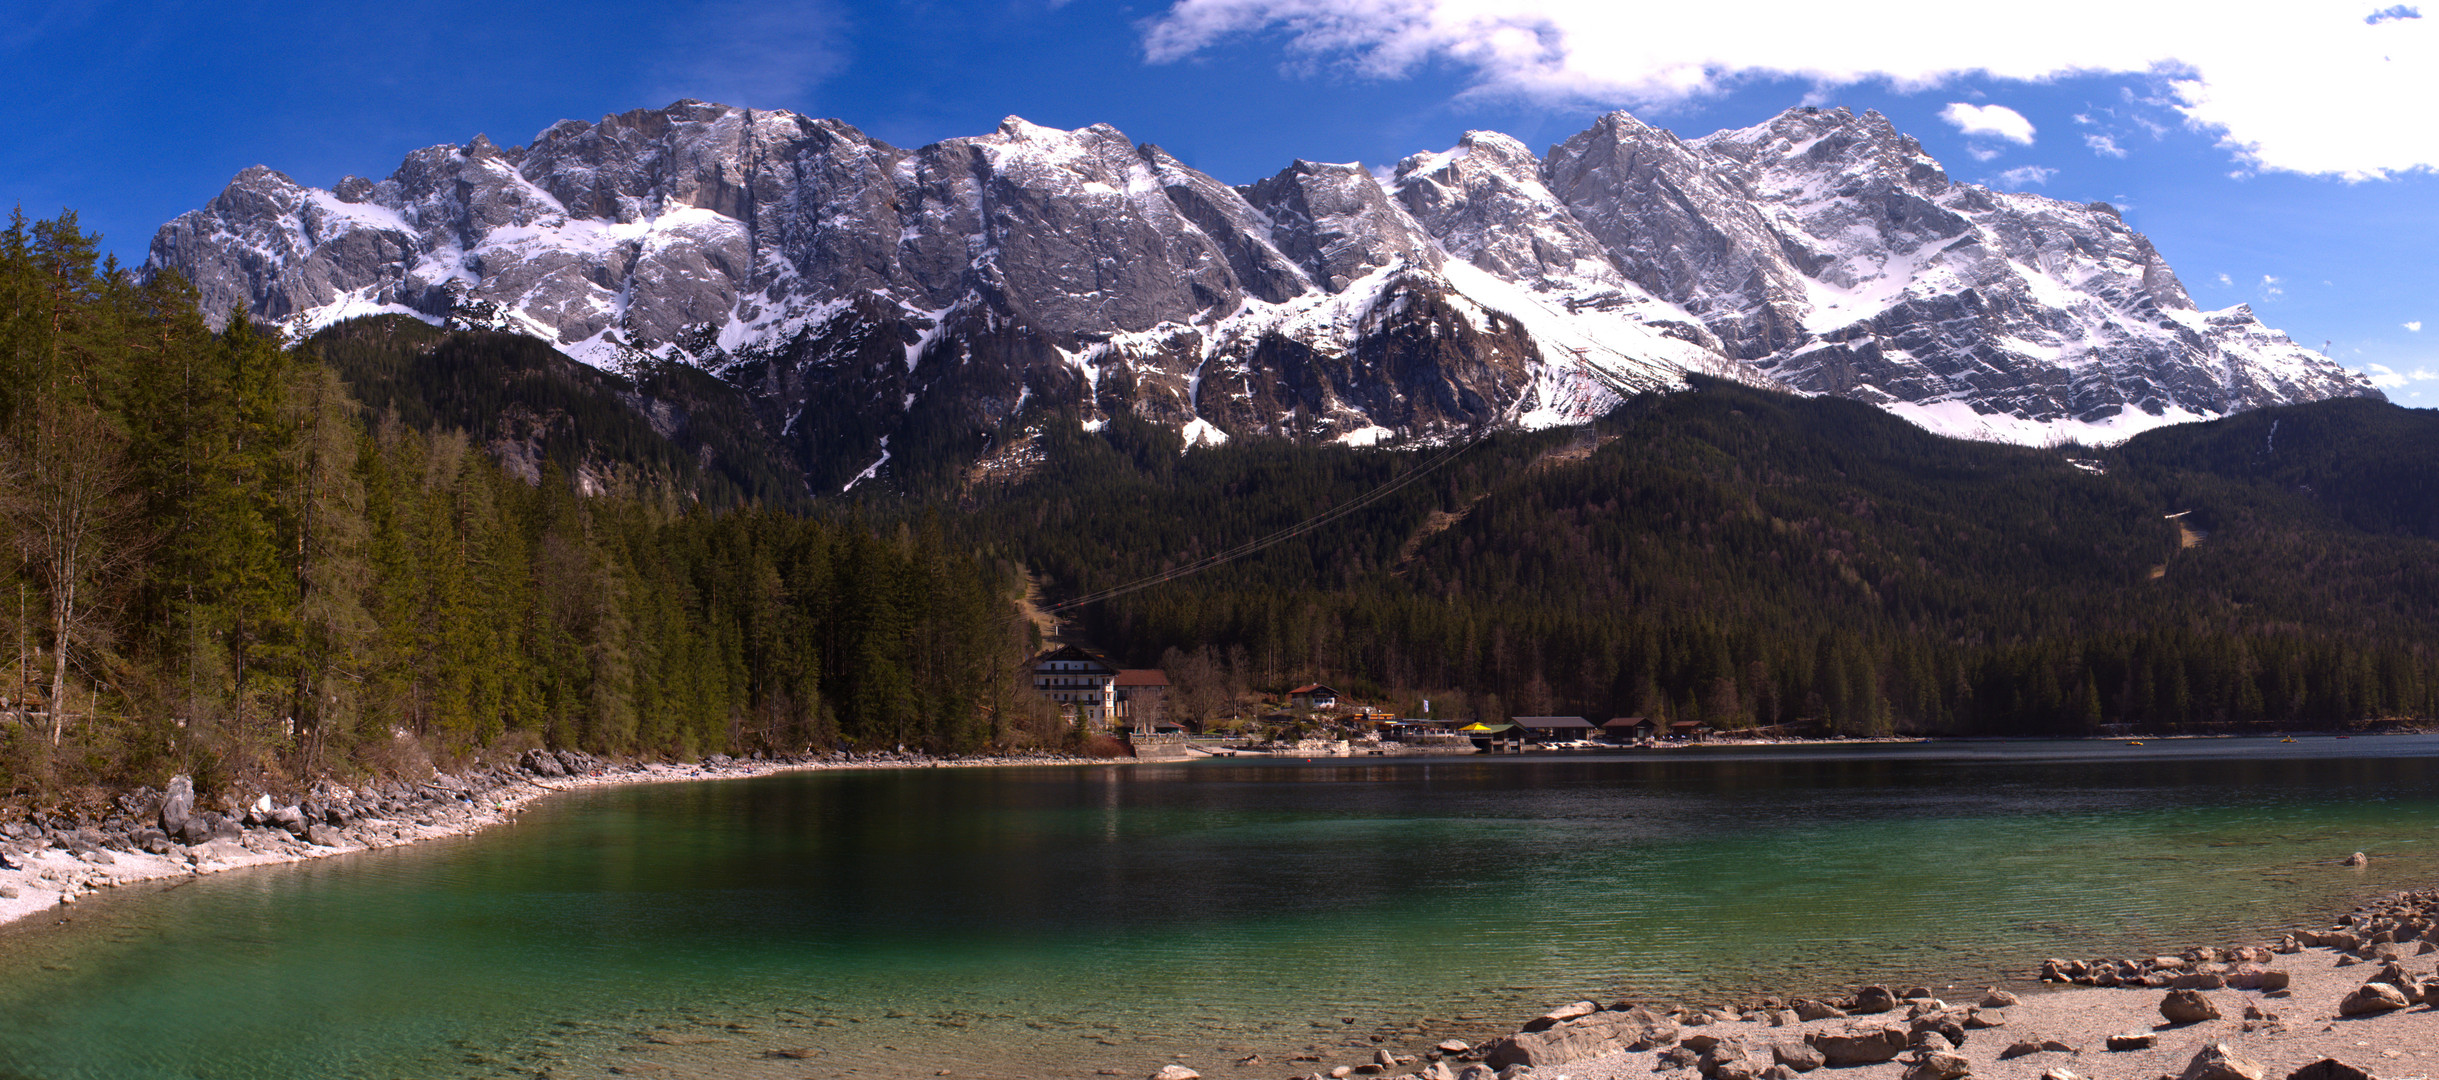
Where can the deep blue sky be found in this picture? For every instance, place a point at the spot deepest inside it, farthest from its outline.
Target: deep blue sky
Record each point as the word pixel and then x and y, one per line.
pixel 131 113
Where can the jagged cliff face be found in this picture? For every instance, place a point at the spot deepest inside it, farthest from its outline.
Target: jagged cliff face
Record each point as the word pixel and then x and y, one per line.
pixel 1879 278
pixel 865 293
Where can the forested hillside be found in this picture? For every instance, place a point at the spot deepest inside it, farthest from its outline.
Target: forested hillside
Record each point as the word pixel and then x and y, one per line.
pixel 674 432
pixel 227 565
pixel 1749 558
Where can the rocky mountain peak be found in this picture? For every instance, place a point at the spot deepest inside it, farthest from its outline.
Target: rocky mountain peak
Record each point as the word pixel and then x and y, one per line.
pixel 961 286
pixel 1338 223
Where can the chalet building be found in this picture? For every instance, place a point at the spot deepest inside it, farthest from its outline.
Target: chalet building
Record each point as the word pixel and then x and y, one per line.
pixel 1081 684
pixel 1142 698
pixel 1312 696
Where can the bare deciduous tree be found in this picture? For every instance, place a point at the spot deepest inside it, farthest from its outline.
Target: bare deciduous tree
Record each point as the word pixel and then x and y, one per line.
pixel 64 491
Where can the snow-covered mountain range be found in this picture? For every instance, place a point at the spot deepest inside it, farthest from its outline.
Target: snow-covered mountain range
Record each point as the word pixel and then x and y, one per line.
pixel 861 292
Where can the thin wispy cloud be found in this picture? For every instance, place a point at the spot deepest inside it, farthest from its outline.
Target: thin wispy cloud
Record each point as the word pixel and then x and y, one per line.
pixel 2271 288
pixel 758 55
pixel 2308 88
pixel 2104 146
pixel 2024 176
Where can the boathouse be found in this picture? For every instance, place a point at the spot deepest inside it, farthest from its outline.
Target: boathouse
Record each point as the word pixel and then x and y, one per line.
pixel 1630 728
pixel 1554 728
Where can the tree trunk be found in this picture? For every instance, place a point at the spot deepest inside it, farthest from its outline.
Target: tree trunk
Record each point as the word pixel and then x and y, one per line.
pixel 63 621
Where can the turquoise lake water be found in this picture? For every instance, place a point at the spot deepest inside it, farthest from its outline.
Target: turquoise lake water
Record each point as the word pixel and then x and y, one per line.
pixel 1053 921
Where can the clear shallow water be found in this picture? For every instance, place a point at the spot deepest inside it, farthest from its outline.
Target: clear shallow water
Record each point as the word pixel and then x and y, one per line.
pixel 1053 921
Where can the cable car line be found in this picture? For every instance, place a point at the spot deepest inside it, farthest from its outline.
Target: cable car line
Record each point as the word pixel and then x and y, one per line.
pixel 1249 547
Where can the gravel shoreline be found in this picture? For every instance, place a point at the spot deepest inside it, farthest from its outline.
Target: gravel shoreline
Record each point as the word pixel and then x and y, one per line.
pixel 2360 1000
pixel 46 865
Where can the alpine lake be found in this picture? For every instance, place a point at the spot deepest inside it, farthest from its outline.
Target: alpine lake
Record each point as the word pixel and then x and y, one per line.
pixel 1057 921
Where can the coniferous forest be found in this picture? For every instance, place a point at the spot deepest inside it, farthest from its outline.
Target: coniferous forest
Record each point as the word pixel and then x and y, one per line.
pixel 392 546
pixel 227 565
pixel 1754 559
pixel 1749 559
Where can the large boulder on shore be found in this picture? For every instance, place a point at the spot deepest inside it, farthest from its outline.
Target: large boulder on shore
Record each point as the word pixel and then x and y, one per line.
pixel 205 826
pixel 177 805
pixel 1939 1065
pixel 1581 1037
pixel 541 763
pixel 1797 1057
pixel 1561 1015
pixel 2372 1000
pixel 2217 1061
pixel 2187 1007
pixel 2329 1069
pixel 288 818
pixel 1860 1045
pixel 1874 999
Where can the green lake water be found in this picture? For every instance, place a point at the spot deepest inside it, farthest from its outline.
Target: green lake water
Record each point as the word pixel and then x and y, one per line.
pixel 1054 921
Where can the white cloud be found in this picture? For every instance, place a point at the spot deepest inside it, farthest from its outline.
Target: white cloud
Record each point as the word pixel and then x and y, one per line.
pixel 2271 289
pixel 2226 280
pixel 2310 88
pixel 2388 378
pixel 2415 326
pixel 2025 176
pixel 2104 146
pixel 1995 121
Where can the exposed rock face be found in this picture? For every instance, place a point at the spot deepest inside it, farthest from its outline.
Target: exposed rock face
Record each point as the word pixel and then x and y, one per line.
pixel 867 291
